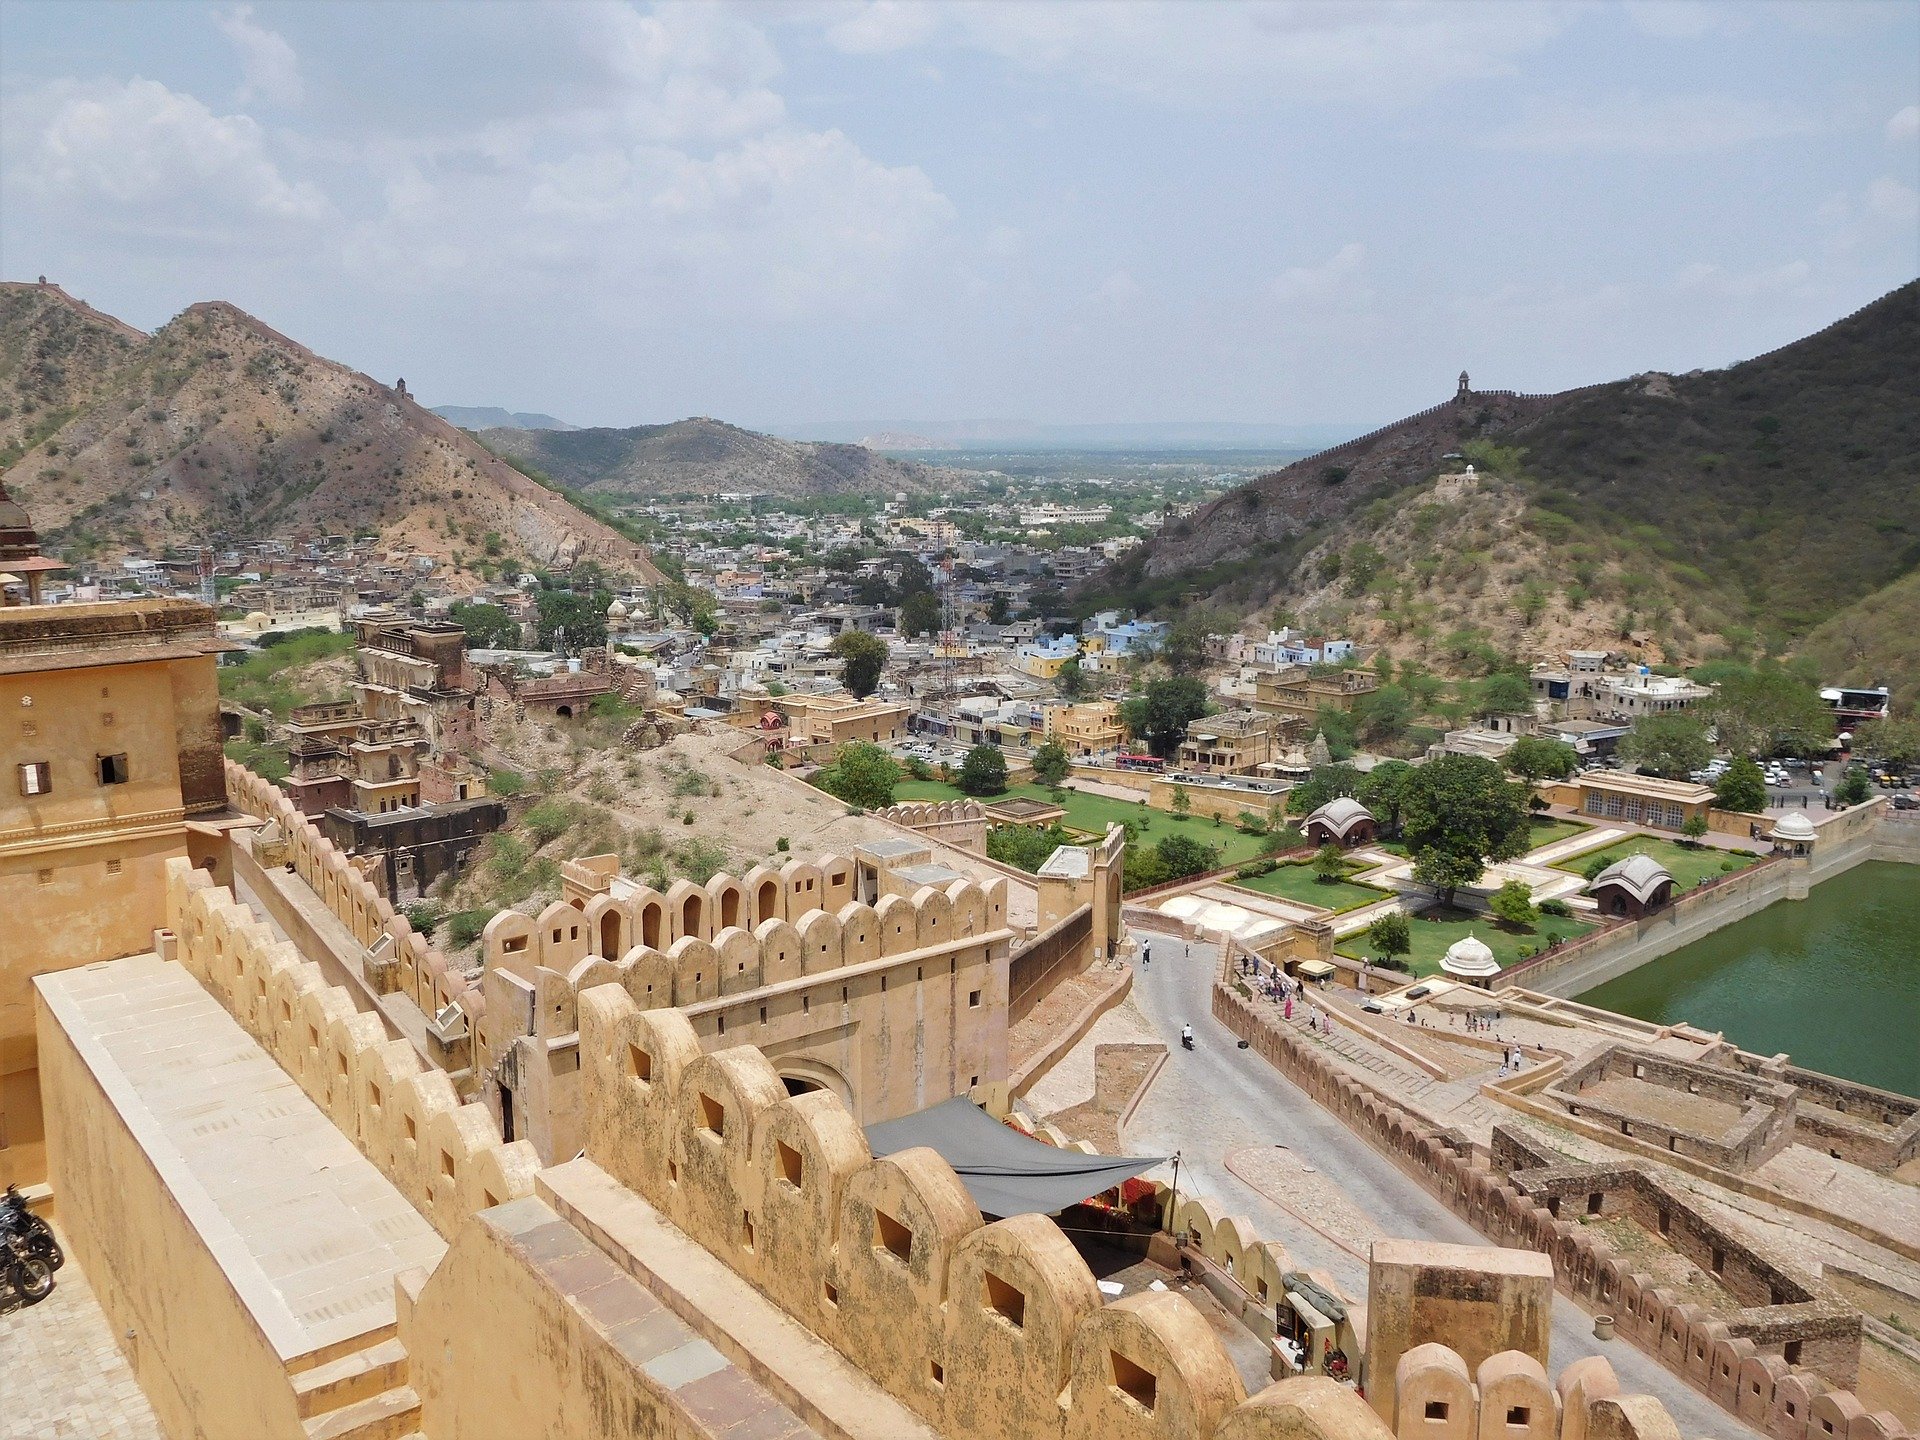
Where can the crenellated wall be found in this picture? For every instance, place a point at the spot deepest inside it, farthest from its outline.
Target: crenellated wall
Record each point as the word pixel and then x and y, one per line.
pixel 959 823
pixel 986 1330
pixel 1749 1376
pixel 446 1157
pixel 406 963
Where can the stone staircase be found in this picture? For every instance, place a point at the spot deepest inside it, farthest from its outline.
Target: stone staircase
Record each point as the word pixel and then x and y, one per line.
pixel 361 1394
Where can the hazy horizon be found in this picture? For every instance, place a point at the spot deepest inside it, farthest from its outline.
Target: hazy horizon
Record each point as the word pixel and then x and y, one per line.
pixel 826 213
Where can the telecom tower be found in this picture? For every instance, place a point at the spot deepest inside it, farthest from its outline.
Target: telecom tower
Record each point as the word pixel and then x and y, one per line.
pixel 208 592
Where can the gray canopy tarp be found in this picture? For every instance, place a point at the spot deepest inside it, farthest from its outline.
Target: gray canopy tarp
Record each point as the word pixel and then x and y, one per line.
pixel 1007 1173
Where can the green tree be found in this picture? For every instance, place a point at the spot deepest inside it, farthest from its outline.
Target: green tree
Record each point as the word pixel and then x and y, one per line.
pixel 1391 935
pixel 1182 855
pixel 1768 710
pixel 984 771
pixel 997 610
pixel 1050 762
pixel 1854 788
pixel 1160 716
pixel 1535 758
pixel 863 775
pixel 1384 715
pixel 1329 782
pixel 1182 802
pixel 865 656
pixel 570 620
pixel 1696 827
pixel 1380 789
pixel 1893 742
pixel 1457 813
pixel 1742 788
pixel 1185 650
pixel 1072 681
pixel 1513 904
pixel 488 627
pixel 1504 693
pixel 1329 864
pixel 1025 846
pixel 919 613
pixel 688 604
pixel 1672 745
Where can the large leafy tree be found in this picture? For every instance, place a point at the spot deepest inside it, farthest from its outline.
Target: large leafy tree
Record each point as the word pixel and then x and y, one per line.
pixel 1769 710
pixel 919 613
pixel 1855 788
pixel 866 657
pixel 488 627
pixel 1161 715
pixel 1670 745
pixel 1329 782
pixel 863 775
pixel 1457 813
pixel 1895 742
pixel 1072 681
pixel 1536 758
pixel 1050 762
pixel 1183 855
pixel 1391 935
pixel 984 771
pixel 573 620
pixel 1504 693
pixel 1742 788
pixel 1380 790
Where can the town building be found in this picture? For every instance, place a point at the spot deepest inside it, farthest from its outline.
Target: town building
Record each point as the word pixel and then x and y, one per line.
pixel 1638 799
pixel 1090 728
pixel 1233 742
pixel 841 719
pixel 1296 690
pixel 1341 821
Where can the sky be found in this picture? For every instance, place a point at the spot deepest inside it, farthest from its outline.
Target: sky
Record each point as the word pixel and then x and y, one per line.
pixel 875 211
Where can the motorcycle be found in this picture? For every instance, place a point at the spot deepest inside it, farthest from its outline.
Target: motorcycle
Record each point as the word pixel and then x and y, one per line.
pixel 29 1275
pixel 1186 1039
pixel 17 1219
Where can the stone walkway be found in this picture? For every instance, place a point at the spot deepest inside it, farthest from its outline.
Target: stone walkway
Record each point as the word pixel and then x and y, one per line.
pixel 65 1378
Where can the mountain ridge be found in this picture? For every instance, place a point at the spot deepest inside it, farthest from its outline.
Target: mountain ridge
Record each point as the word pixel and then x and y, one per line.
pixel 218 427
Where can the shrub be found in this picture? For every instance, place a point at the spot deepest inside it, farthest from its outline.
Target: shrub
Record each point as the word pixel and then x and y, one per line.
pixel 464 926
pixel 1557 908
pixel 548 821
pixel 506 782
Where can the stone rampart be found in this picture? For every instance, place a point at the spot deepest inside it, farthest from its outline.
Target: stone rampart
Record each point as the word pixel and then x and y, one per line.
pixel 446 1157
pixel 992 1330
pixel 408 962
pixel 1747 1375
pixel 1764 1126
pixel 959 823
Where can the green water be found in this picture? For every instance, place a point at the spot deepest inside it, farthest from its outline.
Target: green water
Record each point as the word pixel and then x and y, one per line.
pixel 1833 980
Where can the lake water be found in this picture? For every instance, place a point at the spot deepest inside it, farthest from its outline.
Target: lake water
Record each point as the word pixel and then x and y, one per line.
pixel 1833 980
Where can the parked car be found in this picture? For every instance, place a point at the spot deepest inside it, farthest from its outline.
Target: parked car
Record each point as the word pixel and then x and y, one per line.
pixel 1906 802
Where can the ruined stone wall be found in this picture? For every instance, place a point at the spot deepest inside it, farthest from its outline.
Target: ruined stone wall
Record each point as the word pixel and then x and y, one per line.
pixel 1747 1375
pixel 446 1157
pixel 1767 1109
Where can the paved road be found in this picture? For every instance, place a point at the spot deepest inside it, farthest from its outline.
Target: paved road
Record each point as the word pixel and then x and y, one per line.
pixel 1220 1098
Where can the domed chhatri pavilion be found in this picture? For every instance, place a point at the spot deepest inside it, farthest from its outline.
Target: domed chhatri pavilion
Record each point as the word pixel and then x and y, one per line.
pixel 21 562
pixel 1794 834
pixel 1341 821
pixel 1632 887
pixel 1471 959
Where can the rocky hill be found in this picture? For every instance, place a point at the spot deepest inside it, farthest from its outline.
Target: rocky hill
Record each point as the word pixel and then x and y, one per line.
pixel 1679 515
pixel 492 417
pixel 219 429
pixel 708 457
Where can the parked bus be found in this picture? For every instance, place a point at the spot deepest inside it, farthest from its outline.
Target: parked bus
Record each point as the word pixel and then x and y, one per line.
pixel 1140 762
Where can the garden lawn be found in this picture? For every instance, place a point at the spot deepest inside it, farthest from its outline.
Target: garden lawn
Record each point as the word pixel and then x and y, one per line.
pixel 1299 883
pixel 1687 865
pixel 1552 830
pixel 1432 937
pixel 1093 813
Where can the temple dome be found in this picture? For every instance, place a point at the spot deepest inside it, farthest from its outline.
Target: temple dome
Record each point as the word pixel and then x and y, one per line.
pixel 1470 958
pixel 1794 827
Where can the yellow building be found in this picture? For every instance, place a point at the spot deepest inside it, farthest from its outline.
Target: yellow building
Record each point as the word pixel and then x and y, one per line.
pixel 1084 729
pixel 841 719
pixel 1296 690
pixel 112 733
pixel 1234 742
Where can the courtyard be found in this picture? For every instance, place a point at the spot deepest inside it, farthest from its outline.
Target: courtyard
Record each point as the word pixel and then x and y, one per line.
pixel 1688 864
pixel 1438 928
pixel 1298 882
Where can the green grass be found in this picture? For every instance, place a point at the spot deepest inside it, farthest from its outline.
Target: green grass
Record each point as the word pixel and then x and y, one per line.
pixel 1551 830
pixel 1687 865
pixel 1299 883
pixel 1093 813
pixel 1432 937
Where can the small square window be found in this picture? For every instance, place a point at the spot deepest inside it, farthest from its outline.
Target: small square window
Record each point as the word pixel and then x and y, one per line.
pixel 113 769
pixel 1436 1410
pixel 973 999
pixel 1519 1415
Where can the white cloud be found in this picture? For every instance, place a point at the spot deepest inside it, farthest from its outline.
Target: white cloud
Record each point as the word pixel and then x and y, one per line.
pixel 269 68
pixel 1633 124
pixel 1893 200
pixel 143 156
pixel 1903 125
pixel 1391 51
pixel 1339 278
pixel 1702 278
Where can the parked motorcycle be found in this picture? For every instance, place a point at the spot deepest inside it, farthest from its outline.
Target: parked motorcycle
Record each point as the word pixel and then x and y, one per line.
pixel 17 1219
pixel 29 1275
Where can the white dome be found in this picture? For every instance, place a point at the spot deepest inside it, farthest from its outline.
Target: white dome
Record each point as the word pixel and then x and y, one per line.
pixel 1470 958
pixel 1794 827
pixel 617 610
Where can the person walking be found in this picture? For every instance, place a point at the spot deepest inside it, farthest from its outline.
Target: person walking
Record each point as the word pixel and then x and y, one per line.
pixel 1146 956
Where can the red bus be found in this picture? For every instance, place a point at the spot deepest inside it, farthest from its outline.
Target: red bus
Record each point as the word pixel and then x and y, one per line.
pixel 1140 762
